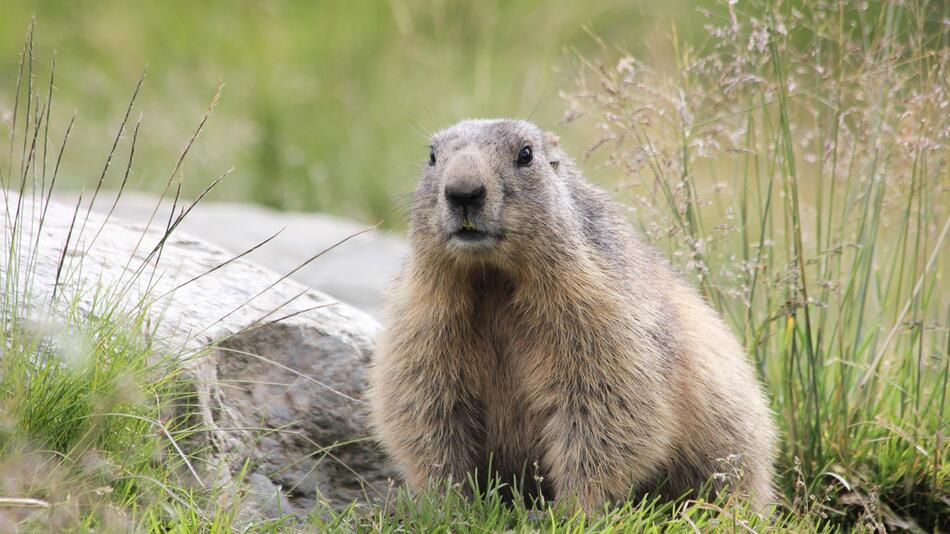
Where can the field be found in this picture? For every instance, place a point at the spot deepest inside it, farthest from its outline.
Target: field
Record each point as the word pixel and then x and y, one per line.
pixel 324 107
pixel 790 159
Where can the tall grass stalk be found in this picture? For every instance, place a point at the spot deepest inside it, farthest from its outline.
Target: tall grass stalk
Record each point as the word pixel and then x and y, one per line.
pixel 831 258
pixel 91 411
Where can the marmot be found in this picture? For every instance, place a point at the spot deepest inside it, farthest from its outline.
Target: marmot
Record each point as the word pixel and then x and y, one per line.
pixel 533 335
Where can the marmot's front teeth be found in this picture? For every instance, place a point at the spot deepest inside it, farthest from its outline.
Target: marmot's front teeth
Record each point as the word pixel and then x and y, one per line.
pixel 467 224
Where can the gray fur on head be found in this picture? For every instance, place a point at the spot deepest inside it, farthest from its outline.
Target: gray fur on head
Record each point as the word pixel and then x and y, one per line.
pixel 520 201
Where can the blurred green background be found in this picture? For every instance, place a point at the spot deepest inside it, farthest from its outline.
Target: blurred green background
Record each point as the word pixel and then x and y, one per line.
pixel 326 105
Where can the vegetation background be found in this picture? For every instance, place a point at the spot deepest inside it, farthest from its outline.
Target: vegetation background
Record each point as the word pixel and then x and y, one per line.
pixel 326 105
pixel 790 158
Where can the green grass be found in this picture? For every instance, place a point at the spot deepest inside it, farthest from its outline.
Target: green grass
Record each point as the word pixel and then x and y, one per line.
pixel 795 168
pixel 489 513
pixel 93 416
pixel 326 106
pixel 793 165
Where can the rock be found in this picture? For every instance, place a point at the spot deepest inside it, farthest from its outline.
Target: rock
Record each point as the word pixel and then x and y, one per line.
pixel 282 382
pixel 356 272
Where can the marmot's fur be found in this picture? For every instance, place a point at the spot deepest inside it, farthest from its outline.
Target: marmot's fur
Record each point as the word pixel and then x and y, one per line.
pixel 531 330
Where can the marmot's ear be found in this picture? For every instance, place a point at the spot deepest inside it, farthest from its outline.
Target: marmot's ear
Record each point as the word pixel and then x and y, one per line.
pixel 551 142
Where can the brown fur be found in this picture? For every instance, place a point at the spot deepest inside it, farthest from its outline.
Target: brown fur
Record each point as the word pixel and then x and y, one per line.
pixel 560 345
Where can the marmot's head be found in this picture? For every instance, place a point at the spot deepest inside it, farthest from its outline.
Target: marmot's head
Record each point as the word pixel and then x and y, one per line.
pixel 489 189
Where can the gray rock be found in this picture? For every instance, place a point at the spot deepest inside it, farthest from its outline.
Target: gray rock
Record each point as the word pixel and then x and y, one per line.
pixel 356 272
pixel 284 395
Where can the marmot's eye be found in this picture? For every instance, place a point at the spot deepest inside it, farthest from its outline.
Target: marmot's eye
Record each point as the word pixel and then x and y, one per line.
pixel 431 156
pixel 525 156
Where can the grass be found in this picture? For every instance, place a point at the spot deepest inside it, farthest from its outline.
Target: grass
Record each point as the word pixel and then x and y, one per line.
pixel 795 168
pixel 326 106
pixel 793 165
pixel 92 413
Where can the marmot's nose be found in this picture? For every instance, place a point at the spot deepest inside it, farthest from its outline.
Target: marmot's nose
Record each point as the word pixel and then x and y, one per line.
pixel 464 193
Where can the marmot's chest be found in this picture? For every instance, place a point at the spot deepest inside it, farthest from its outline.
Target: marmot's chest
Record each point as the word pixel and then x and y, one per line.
pixel 511 426
pixel 501 369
